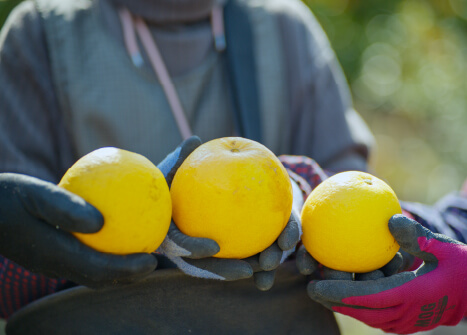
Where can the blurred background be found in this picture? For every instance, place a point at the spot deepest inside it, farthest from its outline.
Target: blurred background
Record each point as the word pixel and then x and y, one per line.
pixel 406 63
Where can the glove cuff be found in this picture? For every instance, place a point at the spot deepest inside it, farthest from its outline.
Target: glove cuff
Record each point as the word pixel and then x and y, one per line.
pixel 298 199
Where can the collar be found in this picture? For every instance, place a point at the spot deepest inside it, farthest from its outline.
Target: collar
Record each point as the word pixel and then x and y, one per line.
pixel 170 11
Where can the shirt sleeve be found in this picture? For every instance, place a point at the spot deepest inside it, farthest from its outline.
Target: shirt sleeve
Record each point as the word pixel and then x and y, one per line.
pixel 33 138
pixel 305 172
pixel 324 124
pixel 19 287
pixel 448 216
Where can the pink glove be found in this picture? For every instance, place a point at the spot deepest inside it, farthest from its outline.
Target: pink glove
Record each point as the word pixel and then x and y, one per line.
pixel 433 295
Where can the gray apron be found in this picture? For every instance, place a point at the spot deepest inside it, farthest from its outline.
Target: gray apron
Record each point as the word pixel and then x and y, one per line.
pixel 169 302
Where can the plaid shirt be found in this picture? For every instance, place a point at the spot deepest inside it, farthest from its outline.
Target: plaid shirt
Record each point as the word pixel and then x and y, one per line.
pixel 19 287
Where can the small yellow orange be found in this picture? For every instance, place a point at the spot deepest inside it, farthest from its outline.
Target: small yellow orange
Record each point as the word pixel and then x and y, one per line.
pixel 345 222
pixel 234 191
pixel 132 195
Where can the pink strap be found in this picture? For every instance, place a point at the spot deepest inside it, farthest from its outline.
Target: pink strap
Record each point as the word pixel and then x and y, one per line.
pixel 161 71
pixel 464 189
pixel 130 37
pixel 217 24
pixel 129 24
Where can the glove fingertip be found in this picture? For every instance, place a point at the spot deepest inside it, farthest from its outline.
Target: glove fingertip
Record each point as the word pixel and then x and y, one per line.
pixel 318 290
pixel 247 273
pixel 289 237
pixel 312 289
pixel 190 144
pixel 142 263
pixel 194 247
pixel 89 221
pixel 393 266
pixel 238 270
pixel 204 247
pixel 270 258
pixel 332 274
pixel 373 275
pixel 60 207
pixel 407 231
pixel 264 280
pixel 305 268
pixel 305 263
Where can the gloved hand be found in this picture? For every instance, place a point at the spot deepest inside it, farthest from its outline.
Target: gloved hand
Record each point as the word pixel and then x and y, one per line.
pixel 266 263
pixel 435 294
pixel 192 255
pixel 36 218
pixel 307 265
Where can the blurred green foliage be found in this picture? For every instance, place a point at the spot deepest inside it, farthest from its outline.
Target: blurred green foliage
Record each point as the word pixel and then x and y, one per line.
pixel 5 7
pixel 405 61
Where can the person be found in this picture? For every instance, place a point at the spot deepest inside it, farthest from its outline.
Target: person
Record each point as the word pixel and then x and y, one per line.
pixel 79 75
pixel 144 75
pixel 74 79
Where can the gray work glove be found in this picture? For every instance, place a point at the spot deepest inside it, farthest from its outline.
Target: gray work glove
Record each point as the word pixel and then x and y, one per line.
pixel 192 255
pixel 266 263
pixel 36 218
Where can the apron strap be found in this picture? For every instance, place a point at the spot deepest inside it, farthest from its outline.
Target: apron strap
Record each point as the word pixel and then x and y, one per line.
pixel 242 70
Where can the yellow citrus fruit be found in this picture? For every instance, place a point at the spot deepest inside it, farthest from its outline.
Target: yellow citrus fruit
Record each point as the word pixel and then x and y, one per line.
pixel 132 195
pixel 345 222
pixel 234 191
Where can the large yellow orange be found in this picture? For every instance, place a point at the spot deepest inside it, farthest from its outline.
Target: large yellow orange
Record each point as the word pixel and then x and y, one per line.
pixel 234 191
pixel 345 222
pixel 132 195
